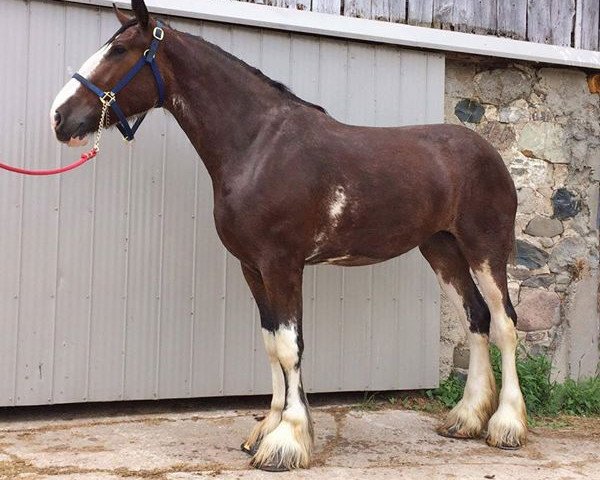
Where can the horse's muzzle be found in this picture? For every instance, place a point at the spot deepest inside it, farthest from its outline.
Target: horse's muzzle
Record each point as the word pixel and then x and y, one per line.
pixel 70 131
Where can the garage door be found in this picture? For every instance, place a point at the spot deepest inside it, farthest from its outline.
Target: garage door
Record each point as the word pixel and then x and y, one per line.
pixel 114 285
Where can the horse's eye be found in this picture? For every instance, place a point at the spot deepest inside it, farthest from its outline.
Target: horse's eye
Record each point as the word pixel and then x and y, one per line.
pixel 118 50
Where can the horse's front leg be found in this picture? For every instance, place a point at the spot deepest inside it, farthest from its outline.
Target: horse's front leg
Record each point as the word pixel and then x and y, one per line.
pixel 272 419
pixel 289 444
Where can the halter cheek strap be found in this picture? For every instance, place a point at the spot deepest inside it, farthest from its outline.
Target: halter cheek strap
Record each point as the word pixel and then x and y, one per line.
pixel 109 98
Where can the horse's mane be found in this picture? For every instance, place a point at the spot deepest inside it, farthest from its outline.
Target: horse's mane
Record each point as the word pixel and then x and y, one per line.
pixel 284 89
pixel 273 83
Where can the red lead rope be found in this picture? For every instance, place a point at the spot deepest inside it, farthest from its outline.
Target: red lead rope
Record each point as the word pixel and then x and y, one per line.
pixel 84 158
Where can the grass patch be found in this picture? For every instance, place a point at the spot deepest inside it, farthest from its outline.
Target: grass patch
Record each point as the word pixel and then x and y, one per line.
pixel 542 396
pixel 449 392
pixel 581 398
pixel 369 403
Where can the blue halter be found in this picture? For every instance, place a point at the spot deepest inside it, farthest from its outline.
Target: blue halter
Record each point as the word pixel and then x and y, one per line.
pixel 110 98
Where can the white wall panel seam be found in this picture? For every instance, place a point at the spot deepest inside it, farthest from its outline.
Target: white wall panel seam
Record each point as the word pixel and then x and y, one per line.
pixel 161 247
pixel 92 246
pixel 19 268
pixel 223 321
pixel 22 211
pixel 58 161
pixel 126 277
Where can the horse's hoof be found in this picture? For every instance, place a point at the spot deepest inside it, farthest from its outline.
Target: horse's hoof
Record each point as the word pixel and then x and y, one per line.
pixel 507 429
pixel 512 442
pixel 503 446
pixel 272 467
pixel 250 450
pixel 273 464
pixel 455 433
pixel 509 447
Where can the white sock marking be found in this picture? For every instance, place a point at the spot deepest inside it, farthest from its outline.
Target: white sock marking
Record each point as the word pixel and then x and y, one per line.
pixel 508 424
pixel 278 400
pixel 290 443
pixel 479 397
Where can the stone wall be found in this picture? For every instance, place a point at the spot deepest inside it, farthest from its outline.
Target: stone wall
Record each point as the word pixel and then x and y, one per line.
pixel 546 125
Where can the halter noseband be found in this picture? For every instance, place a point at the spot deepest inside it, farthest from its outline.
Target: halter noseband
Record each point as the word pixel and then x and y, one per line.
pixel 109 98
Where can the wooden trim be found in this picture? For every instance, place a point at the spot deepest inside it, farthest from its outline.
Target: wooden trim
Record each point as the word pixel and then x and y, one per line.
pixel 249 14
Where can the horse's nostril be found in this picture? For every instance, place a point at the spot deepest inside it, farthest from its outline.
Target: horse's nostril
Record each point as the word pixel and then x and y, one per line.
pixel 57 119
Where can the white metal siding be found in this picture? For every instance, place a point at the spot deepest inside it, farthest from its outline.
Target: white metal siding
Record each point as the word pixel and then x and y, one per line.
pixel 113 282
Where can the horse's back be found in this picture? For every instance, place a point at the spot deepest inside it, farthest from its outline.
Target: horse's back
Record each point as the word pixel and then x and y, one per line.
pixel 437 169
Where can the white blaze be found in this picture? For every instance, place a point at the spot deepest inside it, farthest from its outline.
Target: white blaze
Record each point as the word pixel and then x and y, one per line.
pixel 86 70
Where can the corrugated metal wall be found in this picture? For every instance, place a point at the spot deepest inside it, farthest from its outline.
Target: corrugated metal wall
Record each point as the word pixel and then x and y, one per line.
pixel 113 282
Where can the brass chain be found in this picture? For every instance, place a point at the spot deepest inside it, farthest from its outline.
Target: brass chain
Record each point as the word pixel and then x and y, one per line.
pixel 103 122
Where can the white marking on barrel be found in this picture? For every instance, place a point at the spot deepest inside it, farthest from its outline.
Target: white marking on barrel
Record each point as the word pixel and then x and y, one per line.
pixel 336 207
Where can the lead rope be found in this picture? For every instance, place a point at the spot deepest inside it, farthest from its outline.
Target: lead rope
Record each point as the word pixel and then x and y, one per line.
pixel 104 116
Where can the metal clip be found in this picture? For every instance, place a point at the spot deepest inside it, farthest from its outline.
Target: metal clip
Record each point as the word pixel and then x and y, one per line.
pixel 158 33
pixel 108 98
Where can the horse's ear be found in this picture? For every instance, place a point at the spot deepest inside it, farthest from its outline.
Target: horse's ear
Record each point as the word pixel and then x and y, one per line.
pixel 123 19
pixel 141 12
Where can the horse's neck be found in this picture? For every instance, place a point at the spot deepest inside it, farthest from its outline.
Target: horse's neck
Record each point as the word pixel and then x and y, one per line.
pixel 220 104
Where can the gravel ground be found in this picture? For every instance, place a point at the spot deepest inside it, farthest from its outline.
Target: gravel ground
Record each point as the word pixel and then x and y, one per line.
pixel 182 441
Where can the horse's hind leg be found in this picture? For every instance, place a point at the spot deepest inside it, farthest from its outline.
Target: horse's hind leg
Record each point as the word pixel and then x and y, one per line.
pixel 284 440
pixel 508 426
pixel 470 416
pixel 487 251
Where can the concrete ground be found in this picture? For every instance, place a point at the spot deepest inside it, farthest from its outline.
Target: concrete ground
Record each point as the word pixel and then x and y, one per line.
pixel 175 441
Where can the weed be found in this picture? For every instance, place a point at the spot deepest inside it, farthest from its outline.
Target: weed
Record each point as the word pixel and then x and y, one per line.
pixel 580 398
pixel 368 403
pixel 543 397
pixel 534 377
pixel 449 392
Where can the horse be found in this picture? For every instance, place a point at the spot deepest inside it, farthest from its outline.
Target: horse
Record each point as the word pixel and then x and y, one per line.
pixel 293 187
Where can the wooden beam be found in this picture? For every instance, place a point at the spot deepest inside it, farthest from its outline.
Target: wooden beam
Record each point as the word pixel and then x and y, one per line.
pixel 442 14
pixel 512 18
pixel 562 19
pixel 357 8
pixel 260 16
pixel 461 16
pixel 420 13
pixel 550 21
pixel 587 22
pixel 398 10
pixel 327 6
pixel 485 16
pixel 297 4
pixel 388 10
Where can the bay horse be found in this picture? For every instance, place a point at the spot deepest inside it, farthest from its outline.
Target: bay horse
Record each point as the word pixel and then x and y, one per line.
pixel 294 187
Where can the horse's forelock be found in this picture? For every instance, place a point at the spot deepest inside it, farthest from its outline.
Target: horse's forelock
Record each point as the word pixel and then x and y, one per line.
pixel 124 27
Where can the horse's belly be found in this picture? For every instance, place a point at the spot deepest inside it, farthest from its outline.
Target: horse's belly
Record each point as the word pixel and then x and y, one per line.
pixel 350 254
pixel 344 260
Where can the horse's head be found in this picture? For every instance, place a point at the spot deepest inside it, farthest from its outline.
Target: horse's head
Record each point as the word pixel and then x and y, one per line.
pixel 76 110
